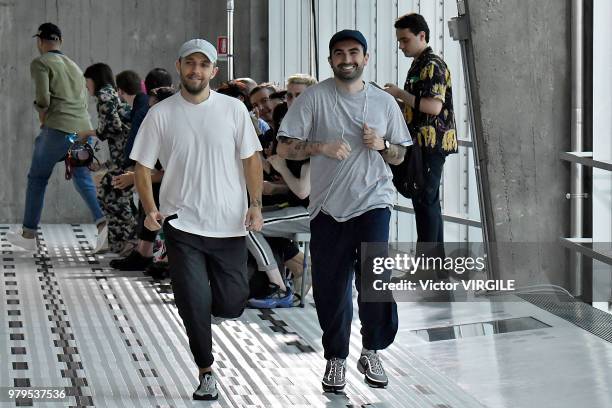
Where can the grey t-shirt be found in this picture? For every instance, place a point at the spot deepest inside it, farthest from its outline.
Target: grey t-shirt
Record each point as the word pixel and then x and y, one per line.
pixel 362 182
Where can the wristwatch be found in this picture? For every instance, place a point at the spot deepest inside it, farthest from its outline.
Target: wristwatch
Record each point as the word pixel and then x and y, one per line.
pixel 387 146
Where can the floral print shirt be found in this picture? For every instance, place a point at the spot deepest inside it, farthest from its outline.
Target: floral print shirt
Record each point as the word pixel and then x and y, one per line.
pixel 113 122
pixel 430 77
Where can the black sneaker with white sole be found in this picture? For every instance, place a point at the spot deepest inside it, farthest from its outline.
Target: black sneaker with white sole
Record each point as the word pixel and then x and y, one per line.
pixel 334 378
pixel 370 366
pixel 207 390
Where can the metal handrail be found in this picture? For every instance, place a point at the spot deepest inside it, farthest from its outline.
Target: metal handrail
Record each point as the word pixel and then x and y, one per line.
pixel 584 246
pixel 446 217
pixel 586 159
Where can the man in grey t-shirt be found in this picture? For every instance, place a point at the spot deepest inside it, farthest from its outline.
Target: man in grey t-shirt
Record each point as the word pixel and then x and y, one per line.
pixel 350 130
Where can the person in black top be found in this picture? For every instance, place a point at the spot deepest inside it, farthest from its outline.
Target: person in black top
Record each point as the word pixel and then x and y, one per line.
pixel 287 185
pixel 129 85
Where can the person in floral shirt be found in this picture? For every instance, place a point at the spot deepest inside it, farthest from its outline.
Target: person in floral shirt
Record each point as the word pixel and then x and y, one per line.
pixel 428 109
pixel 113 127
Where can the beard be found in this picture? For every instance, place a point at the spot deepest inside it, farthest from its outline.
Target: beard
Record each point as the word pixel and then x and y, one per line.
pixel 193 89
pixel 348 76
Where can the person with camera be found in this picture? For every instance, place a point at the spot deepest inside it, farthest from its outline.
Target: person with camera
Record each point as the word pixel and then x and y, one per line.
pixel 61 102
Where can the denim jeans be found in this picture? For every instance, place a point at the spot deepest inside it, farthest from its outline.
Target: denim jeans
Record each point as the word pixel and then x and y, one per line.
pixel 49 148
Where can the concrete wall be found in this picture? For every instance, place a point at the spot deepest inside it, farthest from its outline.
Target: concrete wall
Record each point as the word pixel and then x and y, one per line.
pixel 522 59
pixel 126 34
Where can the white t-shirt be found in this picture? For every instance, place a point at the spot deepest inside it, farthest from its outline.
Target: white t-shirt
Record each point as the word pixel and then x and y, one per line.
pixel 201 148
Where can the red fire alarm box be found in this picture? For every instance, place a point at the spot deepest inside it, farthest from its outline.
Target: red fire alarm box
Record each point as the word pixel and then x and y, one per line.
pixel 222 46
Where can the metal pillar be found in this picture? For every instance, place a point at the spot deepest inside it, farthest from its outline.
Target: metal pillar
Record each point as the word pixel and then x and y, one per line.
pixel 230 40
pixel 577 195
pixel 459 28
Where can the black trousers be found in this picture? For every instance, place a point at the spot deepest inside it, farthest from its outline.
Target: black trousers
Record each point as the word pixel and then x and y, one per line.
pixel 336 253
pixel 427 210
pixel 209 277
pixel 144 233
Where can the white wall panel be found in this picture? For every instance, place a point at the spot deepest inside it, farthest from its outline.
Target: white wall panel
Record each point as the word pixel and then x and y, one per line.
pixel 384 46
pixel 326 27
pixel 403 63
pixel 602 145
pixel 276 36
pixel 365 21
pixel 345 14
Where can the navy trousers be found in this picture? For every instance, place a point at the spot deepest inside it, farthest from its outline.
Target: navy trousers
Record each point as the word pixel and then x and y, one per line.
pixel 336 253
pixel 427 210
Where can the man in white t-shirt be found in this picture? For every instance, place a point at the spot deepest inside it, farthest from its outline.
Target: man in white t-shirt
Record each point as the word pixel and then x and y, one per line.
pixel 207 145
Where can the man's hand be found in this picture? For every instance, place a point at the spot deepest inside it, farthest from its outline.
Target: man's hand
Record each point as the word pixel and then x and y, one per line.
pixel 274 188
pixel 123 181
pixel 277 162
pixel 338 150
pixel 371 139
pixel 152 220
pixel 254 219
pixel 83 135
pixel 41 117
pixel 393 90
pixel 267 188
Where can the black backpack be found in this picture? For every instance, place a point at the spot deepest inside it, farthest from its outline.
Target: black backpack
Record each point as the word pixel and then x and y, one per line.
pixel 408 176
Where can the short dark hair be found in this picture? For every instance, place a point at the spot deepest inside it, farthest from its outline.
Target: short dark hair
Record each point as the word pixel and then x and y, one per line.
pixel 266 85
pixel 162 93
pixel 157 78
pixel 278 114
pixel 414 22
pixel 129 82
pixel 101 75
pixel 235 89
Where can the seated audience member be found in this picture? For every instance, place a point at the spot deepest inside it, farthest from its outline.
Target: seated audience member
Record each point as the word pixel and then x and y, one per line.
pixel 296 84
pixel 129 90
pixel 239 90
pixel 113 127
pixel 141 258
pixel 157 78
pixel 249 83
pixel 284 221
pixel 263 103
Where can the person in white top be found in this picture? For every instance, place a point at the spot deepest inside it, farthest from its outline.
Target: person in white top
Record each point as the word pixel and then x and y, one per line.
pixel 207 145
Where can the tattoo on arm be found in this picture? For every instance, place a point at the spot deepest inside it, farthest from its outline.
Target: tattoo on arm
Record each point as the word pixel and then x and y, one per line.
pixel 299 149
pixel 394 154
pixel 256 202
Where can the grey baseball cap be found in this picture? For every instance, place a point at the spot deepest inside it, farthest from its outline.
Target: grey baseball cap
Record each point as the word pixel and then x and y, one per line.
pixel 198 45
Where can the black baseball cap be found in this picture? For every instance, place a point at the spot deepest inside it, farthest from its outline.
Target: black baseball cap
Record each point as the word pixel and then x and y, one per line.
pixel 348 35
pixel 48 31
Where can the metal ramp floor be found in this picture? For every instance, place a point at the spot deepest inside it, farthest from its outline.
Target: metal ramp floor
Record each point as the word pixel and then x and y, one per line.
pixel 114 339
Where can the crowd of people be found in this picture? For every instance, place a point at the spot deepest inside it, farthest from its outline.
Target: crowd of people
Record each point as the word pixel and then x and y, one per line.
pixel 233 173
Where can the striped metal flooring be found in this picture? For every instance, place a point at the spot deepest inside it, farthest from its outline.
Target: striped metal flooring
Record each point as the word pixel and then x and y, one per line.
pixel 114 339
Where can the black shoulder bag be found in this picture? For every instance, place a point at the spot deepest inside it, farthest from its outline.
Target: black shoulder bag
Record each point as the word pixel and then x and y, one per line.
pixel 408 176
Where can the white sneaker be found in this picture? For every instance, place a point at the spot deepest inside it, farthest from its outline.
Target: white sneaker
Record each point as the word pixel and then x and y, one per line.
pixel 16 239
pixel 101 239
pixel 207 390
